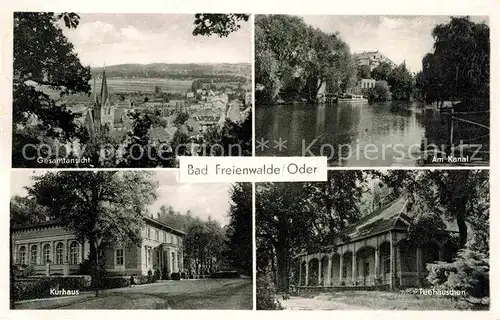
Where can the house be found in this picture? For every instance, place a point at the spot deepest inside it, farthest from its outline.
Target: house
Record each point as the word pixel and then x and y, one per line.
pixel 376 252
pixel 366 83
pixel 53 250
pixel 372 59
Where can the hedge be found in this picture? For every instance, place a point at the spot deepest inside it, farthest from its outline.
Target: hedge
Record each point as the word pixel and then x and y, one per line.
pixel 33 288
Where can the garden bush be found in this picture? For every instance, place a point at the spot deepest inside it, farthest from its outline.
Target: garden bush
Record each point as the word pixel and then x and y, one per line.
pixel 35 288
pixel 115 282
pixel 266 293
pixel 175 276
pixel 468 273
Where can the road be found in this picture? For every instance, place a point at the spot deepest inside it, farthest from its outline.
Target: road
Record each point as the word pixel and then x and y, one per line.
pixel 185 294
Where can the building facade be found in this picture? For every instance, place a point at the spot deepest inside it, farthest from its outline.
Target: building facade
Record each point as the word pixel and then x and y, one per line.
pixel 52 250
pixel 372 59
pixel 376 252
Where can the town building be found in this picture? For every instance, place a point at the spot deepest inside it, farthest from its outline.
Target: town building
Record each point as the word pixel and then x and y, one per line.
pixel 375 252
pixel 53 250
pixel 372 59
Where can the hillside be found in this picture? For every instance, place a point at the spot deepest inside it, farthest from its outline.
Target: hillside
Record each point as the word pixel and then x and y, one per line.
pixel 177 71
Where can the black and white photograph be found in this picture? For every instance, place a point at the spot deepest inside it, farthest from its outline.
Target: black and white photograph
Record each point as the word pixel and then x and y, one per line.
pixel 373 90
pixel 128 240
pixel 129 90
pixel 375 240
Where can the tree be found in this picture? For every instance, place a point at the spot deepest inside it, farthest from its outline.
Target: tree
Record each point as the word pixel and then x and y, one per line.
pixel 233 139
pixel 401 82
pixel 43 59
pixel 141 151
pixel 294 60
pixel 99 207
pixel 459 67
pixel 24 210
pixel 378 93
pixel 207 24
pixel 460 196
pixel 157 89
pixel 364 72
pixel 240 228
pixel 291 217
pixel 382 71
pixel 181 118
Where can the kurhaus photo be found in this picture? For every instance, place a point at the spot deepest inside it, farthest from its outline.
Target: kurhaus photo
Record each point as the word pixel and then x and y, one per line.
pixel 373 90
pixel 375 240
pixel 128 240
pixel 130 90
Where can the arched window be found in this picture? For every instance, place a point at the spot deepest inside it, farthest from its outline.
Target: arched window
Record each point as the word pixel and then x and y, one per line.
pixel 59 253
pixel 74 252
pixel 46 253
pixel 34 254
pixel 22 255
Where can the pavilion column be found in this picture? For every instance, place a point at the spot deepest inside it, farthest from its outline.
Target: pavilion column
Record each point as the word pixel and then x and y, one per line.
pixel 319 271
pixel 341 268
pixel 392 264
pixel 300 271
pixel 307 272
pixel 39 254
pixel 354 268
pixel 377 263
pixel 53 248
pixel 329 272
pixel 419 263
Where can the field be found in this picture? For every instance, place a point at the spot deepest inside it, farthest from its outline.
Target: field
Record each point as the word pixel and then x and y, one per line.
pixel 146 85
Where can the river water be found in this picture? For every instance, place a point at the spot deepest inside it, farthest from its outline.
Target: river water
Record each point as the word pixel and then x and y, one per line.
pixel 349 134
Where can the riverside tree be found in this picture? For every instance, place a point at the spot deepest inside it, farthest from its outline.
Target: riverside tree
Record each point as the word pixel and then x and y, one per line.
pixel 99 207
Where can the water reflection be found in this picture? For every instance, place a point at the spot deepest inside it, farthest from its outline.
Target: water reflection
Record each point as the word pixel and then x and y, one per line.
pixel 384 134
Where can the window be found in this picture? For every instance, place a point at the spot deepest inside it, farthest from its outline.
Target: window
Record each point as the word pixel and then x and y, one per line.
pixel 344 271
pixel 157 235
pixel 148 256
pixel 74 252
pixel 59 253
pixel 367 269
pixel 22 255
pixel 164 237
pixel 149 233
pixel 169 238
pixel 34 254
pixel 119 257
pixel 46 253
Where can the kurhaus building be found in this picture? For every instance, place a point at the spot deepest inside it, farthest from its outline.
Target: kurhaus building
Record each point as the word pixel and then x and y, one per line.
pixel 52 250
pixel 375 252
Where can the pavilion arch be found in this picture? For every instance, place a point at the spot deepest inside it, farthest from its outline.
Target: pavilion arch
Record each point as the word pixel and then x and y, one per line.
pixel 335 270
pixel 385 262
pixel 302 280
pixel 313 266
pixel 325 273
pixel 346 268
pixel 365 265
pixel 408 255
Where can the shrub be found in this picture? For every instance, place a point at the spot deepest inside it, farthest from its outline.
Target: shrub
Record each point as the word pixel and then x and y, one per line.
pixel 115 282
pixel 175 276
pixel 266 294
pixel 468 273
pixel 40 287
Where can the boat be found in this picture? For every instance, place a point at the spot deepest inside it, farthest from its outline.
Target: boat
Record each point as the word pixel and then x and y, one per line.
pixel 349 97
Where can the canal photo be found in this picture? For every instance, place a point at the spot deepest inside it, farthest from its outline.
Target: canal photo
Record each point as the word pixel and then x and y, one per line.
pixel 373 91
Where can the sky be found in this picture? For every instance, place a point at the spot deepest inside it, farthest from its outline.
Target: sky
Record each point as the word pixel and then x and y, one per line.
pixel 153 38
pixel 399 38
pixel 203 199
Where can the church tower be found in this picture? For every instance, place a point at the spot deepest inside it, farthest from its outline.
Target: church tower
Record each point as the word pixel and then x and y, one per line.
pixel 103 113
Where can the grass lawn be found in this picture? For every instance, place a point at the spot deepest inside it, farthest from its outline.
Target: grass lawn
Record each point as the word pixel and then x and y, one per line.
pixel 394 300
